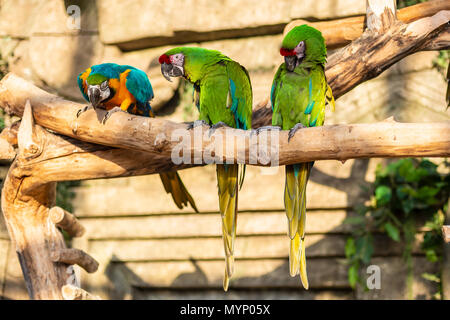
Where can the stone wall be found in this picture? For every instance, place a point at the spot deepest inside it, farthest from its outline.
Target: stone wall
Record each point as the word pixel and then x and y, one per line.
pixel 146 246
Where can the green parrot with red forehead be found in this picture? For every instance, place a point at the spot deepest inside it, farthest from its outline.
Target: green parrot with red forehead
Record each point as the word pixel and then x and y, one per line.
pixel 298 96
pixel 223 96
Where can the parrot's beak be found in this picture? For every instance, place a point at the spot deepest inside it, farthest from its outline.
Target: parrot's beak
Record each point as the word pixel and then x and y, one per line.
pixel 290 62
pixel 171 70
pixel 166 70
pixel 94 95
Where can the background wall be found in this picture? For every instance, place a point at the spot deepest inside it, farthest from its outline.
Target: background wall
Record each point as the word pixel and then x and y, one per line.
pixel 147 248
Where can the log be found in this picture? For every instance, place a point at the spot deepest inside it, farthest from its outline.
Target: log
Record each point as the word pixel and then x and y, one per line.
pixel 160 139
pixel 26 216
pixel 71 292
pixel 75 256
pixel 338 33
pixel 66 221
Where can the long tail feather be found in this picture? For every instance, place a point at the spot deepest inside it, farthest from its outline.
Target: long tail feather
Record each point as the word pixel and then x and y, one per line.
pixel 330 98
pixel 173 185
pixel 295 205
pixel 228 184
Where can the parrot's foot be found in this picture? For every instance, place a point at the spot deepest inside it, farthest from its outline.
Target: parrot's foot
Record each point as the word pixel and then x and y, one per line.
pixel 267 128
pixel 83 110
pixel 216 126
pixel 294 130
pixel 197 123
pixel 109 113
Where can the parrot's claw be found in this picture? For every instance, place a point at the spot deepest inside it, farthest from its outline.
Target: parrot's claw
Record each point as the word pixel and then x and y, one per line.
pixel 109 113
pixel 196 124
pixel 294 130
pixel 216 126
pixel 83 110
pixel 267 128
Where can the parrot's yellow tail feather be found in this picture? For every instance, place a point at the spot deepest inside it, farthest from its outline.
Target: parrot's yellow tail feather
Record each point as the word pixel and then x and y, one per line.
pixel 228 184
pixel 173 185
pixel 295 205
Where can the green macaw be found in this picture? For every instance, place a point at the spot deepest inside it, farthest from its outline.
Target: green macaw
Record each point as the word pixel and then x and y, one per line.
pixel 298 97
pixel 114 87
pixel 223 96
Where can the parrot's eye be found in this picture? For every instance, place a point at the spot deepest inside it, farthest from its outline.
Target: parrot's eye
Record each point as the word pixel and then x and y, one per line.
pixel 104 85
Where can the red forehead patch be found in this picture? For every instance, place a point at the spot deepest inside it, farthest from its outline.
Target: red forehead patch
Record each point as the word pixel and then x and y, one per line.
pixel 164 59
pixel 287 52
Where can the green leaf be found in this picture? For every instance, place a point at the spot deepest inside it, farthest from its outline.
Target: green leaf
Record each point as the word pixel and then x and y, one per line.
pixel 427 192
pixel 392 231
pixel 364 248
pixel 383 195
pixel 350 248
pixel 431 277
pixel 353 275
pixel 354 220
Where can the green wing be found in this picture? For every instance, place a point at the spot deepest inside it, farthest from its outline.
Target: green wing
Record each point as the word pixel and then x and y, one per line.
pixel 240 95
pixel 277 120
pixel 226 95
pixel 299 97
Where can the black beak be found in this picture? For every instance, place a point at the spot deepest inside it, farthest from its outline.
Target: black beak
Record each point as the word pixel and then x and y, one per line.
pixel 290 62
pixel 166 70
pixel 94 96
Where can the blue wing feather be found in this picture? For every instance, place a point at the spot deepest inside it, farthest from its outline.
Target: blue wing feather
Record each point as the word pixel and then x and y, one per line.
pixel 139 86
pixel 240 121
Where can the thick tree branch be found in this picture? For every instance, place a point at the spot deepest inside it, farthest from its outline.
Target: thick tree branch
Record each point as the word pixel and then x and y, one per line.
pixel 75 256
pixel 88 161
pixel 338 33
pixel 66 221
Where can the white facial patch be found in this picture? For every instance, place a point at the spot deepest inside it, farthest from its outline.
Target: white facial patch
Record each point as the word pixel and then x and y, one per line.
pixel 300 49
pixel 177 59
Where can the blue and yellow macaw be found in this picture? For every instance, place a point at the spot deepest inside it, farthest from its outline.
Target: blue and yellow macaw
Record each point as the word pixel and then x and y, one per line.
pixel 116 87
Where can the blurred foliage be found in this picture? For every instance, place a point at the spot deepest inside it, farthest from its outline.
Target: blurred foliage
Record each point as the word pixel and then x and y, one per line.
pixel 407 3
pixel 65 194
pixel 407 195
pixel 441 62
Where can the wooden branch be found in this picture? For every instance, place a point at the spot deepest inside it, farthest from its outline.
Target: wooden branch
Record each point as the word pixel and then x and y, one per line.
pixel 338 33
pixel 380 14
pixel 71 292
pixel 66 221
pixel 154 138
pixel 346 69
pixel 446 233
pixel 26 216
pixel 26 138
pixel 75 256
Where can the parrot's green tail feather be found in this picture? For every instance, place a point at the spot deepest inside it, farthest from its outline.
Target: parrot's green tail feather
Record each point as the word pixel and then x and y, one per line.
pixel 173 185
pixel 227 181
pixel 295 205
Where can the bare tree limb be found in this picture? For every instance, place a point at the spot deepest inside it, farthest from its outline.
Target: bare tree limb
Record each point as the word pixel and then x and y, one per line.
pixel 338 33
pixel 31 231
pixel 66 221
pixel 159 138
pixel 75 256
